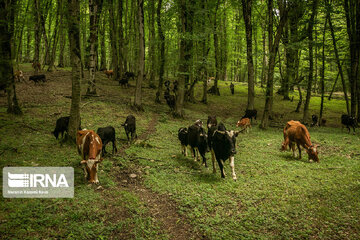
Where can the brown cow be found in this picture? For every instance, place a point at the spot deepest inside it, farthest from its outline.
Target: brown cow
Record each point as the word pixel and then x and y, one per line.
pixel 19 75
pixel 244 124
pixel 89 146
pixel 295 132
pixel 36 66
pixel 109 73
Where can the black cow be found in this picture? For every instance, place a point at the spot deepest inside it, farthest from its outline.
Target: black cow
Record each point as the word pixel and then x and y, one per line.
pixel 232 89
pixel 130 127
pixel 197 140
pixel 211 121
pixel 348 121
pixel 183 137
pixel 224 146
pixel 250 114
pixel 129 75
pixel 315 120
pixel 38 78
pixel 107 134
pixel 62 126
pixel 124 82
pixel 3 87
pixel 170 99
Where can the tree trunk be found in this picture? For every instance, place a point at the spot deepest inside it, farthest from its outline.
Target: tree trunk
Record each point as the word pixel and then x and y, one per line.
pixel 152 55
pixel 141 59
pixel 311 60
pixel 205 51
pixel 121 39
pixel 113 40
pixel 103 44
pixel 217 53
pixel 247 4
pixel 7 9
pixel 264 60
pixel 162 52
pixel 56 34
pixel 62 44
pixel 37 34
pixel 74 39
pixel 322 73
pixel 95 7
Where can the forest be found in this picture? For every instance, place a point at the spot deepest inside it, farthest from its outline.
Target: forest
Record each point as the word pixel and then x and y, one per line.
pixel 278 75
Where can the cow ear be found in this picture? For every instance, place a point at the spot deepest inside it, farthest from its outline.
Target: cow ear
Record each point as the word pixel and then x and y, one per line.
pixel 83 161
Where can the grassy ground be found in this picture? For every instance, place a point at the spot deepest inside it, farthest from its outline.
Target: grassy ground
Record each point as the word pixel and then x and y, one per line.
pixel 173 197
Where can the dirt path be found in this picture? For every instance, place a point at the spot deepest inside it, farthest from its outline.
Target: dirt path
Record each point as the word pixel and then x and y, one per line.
pixel 160 206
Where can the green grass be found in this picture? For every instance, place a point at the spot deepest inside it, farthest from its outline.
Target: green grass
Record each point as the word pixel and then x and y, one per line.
pixel 274 197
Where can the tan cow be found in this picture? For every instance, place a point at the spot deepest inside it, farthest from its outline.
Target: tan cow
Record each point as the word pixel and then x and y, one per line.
pixel 244 124
pixel 19 75
pixel 109 73
pixel 89 146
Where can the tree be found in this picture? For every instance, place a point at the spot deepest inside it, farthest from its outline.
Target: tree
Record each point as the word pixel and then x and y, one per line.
pixel 162 52
pixel 141 59
pixel 311 59
pixel 37 33
pixel 75 59
pixel 152 55
pixel 246 4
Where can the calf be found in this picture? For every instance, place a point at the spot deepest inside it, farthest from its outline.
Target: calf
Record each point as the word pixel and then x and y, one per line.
pixel 124 82
pixel 197 140
pixel 89 147
pixel 38 78
pixel 109 73
pixel 348 121
pixel 211 121
pixel 297 133
pixel 315 120
pixel 36 66
pixel 19 76
pixel 183 137
pixel 250 114
pixel 232 89
pixel 130 127
pixel 224 147
pixel 62 126
pixel 244 124
pixel 107 134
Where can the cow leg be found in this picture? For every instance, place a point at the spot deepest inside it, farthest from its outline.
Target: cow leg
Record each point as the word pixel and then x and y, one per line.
pixel 232 165
pixel 221 166
pixel 213 160
pixel 85 173
pixel 185 151
pixel 127 135
pixel 204 159
pixel 96 175
pixel 114 146
pixel 298 145
pixel 197 154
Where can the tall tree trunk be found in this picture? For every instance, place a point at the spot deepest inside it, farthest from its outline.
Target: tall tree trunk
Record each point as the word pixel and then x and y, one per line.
pixel 328 16
pixel 58 22
pixel 322 75
pixel 74 39
pixel 28 40
pixel 264 60
pixel 273 49
pixel 121 39
pixel 152 55
pixel 62 44
pixel 247 4
pixel 217 53
pixel 95 7
pixel 141 59
pixel 162 52
pixel 103 43
pixel 311 60
pixel 113 40
pixel 43 15
pixel 205 51
pixel 7 9
pixel 37 33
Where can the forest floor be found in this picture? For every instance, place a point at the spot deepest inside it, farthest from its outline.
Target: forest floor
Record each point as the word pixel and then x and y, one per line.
pixel 148 190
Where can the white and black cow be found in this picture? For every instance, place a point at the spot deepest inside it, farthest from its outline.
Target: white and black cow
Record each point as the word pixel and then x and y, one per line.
pixel 183 137
pixel 211 130
pixel 197 140
pixel 223 144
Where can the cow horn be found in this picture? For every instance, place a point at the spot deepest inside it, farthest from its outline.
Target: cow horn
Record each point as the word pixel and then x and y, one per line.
pixel 221 132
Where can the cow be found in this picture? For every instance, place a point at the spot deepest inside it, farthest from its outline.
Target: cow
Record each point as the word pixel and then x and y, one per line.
pixel 211 121
pixel 36 66
pixel 289 124
pixel 297 133
pixel 124 82
pixel 197 140
pixel 130 127
pixel 129 75
pixel 109 73
pixel 107 134
pixel 223 145
pixel 315 120
pixel 183 137
pixel 348 121
pixel 38 78
pixel 323 122
pixel 232 89
pixel 62 126
pixel 89 147
pixel 244 124
pixel 250 114
pixel 170 99
pixel 19 76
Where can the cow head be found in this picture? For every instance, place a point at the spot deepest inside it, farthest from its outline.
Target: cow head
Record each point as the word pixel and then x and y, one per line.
pixel 313 153
pixel 91 168
pixel 56 134
pixel 211 121
pixel 198 123
pixel 229 140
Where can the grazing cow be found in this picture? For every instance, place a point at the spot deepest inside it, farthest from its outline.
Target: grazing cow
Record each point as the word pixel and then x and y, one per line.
pixel 348 121
pixel 244 124
pixel 232 88
pixel 36 66
pixel 89 147
pixel 211 121
pixel 109 73
pixel 19 76
pixel 315 120
pixel 250 114
pixel 323 122
pixel 297 133
pixel 62 126
pixel 129 75
pixel 183 137
pixel 224 147
pixel 130 127
pixel 289 124
pixel 124 82
pixel 107 134
pixel 197 140
pixel 38 78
